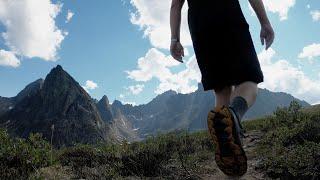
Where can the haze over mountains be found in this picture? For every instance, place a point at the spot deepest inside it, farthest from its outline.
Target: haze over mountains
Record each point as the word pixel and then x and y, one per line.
pixel 77 118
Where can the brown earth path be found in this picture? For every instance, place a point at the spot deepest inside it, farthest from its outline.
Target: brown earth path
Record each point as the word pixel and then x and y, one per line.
pixel 250 142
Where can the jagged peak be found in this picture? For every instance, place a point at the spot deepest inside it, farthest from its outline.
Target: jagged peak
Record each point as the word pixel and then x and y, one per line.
pixel 57 70
pixel 104 100
pixel 58 74
pixel 59 67
pixel 116 102
pixel 29 90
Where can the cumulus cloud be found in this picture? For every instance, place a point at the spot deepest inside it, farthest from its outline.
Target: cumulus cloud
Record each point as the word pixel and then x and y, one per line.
pixel 136 89
pixel 30 28
pixel 157 65
pixel 152 16
pixel 121 96
pixel 70 14
pixel 281 7
pixel 154 64
pixel 7 58
pixel 315 103
pixel 90 85
pixel 315 15
pixel 282 76
pixel 129 102
pixel 311 51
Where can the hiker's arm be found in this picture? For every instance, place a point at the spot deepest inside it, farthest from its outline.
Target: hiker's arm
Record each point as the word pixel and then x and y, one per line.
pixel 267 33
pixel 260 11
pixel 176 48
pixel 175 18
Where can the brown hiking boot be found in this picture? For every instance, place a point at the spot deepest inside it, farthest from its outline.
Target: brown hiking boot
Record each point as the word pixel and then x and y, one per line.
pixel 225 131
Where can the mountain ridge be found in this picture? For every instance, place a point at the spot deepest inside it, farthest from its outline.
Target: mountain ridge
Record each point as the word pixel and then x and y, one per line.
pixel 59 98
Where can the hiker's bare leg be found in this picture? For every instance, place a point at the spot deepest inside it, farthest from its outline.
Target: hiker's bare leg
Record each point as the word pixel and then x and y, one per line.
pixel 247 90
pixel 223 95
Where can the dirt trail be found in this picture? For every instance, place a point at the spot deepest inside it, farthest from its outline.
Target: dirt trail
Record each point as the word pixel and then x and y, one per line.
pixel 250 142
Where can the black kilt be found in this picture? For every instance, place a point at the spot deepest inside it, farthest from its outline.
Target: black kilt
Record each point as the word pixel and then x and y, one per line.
pixel 222 43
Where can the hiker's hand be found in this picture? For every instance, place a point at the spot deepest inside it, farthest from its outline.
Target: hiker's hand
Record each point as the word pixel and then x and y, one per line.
pixel 177 51
pixel 267 35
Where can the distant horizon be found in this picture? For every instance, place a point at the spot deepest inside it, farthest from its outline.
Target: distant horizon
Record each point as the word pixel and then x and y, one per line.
pixel 120 48
pixel 111 102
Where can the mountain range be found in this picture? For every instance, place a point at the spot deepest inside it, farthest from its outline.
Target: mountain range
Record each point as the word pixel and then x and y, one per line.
pixel 59 108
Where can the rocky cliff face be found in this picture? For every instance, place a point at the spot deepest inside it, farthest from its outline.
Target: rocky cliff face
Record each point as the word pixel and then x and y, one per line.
pixel 7 104
pixel 121 127
pixel 105 109
pixel 61 102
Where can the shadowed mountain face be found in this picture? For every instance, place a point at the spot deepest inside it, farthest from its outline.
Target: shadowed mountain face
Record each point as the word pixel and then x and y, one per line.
pixel 61 102
pixel 77 118
pixel 7 104
pixel 121 127
pixel 105 109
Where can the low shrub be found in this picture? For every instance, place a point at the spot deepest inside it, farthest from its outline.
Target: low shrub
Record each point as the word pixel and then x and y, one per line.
pixel 21 157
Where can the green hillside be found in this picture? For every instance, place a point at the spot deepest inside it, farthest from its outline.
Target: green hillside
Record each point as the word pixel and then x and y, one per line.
pixel 285 145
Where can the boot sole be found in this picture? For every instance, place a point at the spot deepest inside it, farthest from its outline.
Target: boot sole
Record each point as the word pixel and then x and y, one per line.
pixel 236 164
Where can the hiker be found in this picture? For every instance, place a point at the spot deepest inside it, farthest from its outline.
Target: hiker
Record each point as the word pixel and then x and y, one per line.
pixel 229 66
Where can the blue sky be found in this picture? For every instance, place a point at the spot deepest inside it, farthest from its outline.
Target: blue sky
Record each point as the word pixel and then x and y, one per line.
pixel 121 48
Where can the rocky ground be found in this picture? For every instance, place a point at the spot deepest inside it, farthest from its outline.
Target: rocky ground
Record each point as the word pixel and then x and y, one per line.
pixel 250 142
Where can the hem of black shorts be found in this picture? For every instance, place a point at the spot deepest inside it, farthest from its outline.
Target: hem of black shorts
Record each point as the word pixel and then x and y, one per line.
pixel 207 86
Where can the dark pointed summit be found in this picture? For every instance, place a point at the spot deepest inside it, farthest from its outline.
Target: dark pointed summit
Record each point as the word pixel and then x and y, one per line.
pixel 59 67
pixel 61 102
pixel 105 109
pixel 104 100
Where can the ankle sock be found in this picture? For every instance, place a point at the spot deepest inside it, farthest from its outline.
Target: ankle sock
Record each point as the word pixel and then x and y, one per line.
pixel 239 106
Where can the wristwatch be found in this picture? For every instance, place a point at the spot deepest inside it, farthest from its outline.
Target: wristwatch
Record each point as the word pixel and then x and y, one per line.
pixel 174 40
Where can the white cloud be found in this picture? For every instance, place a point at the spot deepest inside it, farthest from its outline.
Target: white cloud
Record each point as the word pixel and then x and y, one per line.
pixel 70 14
pixel 154 64
pixel 90 85
pixel 281 7
pixel 7 58
pixel 311 51
pixel 157 65
pixel 308 6
pixel 316 103
pixel 282 76
pixel 275 6
pixel 315 15
pixel 153 17
pixel 181 81
pixel 136 89
pixel 30 28
pixel 121 96
pixel 132 103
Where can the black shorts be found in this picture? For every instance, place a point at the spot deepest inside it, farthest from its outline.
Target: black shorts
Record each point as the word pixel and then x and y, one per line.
pixel 222 43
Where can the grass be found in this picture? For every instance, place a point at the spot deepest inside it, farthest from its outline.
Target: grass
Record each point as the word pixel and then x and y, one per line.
pixel 290 148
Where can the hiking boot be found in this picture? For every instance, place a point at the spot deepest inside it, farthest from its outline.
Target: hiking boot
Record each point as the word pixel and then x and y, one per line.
pixel 226 131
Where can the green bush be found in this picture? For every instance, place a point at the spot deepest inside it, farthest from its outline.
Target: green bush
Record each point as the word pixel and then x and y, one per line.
pixel 291 145
pixel 85 160
pixel 21 157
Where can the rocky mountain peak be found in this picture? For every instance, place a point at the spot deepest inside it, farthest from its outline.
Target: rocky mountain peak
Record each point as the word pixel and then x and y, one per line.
pixel 104 100
pixel 61 102
pixel 29 90
pixel 117 103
